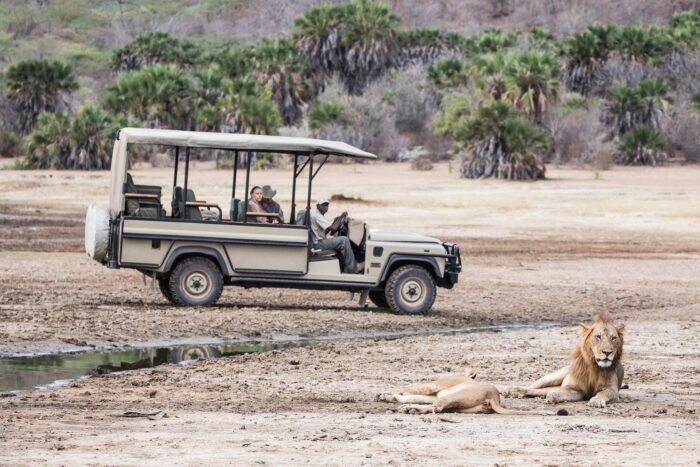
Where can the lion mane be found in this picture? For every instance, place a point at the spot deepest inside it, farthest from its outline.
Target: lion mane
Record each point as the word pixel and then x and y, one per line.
pixel 587 374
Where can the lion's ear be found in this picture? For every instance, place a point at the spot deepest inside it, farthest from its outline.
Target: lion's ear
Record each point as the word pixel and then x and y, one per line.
pixel 583 328
pixel 620 329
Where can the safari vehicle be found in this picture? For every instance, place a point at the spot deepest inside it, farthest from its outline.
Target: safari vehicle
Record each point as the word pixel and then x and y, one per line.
pixel 193 256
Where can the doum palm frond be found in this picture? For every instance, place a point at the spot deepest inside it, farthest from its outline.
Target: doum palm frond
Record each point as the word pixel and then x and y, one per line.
pixel 36 86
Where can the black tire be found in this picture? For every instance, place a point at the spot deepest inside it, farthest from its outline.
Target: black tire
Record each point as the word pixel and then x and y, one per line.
pixel 378 297
pixel 196 282
pixel 410 290
pixel 193 352
pixel 164 286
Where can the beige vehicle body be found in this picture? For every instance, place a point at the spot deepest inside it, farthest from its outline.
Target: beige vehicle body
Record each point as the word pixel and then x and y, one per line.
pixel 193 258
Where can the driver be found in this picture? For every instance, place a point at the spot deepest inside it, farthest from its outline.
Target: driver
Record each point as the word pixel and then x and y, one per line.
pixel 341 244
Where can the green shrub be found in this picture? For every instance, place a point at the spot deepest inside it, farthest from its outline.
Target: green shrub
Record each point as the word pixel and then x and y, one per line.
pixel 642 145
pixel 10 143
pixel 323 113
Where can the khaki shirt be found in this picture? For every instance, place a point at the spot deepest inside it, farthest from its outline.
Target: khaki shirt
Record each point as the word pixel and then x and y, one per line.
pixel 318 225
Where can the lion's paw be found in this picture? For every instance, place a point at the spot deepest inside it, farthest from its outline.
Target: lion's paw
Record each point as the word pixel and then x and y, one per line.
pixel 553 398
pixel 514 391
pixel 385 397
pixel 597 402
pixel 407 409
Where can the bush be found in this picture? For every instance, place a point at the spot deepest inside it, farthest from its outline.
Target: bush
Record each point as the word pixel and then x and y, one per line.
pixel 48 146
pixel 325 113
pixel 642 145
pixel 10 143
pixel 85 143
pixel 422 163
pixel 502 143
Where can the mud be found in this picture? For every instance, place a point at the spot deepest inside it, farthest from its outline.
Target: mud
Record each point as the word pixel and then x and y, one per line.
pixel 561 250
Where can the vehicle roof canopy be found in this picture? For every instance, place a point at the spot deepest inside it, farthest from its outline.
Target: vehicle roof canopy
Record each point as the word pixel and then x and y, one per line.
pixel 232 141
pixel 242 142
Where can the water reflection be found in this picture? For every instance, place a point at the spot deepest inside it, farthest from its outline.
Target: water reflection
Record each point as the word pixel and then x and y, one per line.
pixel 17 373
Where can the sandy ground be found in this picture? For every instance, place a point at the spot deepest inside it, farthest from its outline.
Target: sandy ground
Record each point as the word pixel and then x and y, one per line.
pixel 561 250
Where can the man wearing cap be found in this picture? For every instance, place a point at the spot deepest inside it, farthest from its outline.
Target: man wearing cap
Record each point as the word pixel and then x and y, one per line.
pixel 269 205
pixel 341 244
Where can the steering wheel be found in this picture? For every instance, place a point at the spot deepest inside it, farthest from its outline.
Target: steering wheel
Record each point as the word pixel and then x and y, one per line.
pixel 339 226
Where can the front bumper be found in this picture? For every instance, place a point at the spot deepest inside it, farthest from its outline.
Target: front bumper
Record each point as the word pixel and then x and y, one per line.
pixel 453 263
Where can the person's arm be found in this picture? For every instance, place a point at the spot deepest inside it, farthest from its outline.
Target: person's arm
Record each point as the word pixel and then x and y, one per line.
pixel 253 206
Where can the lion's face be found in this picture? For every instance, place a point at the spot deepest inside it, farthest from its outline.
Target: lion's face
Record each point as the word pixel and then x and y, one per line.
pixel 604 343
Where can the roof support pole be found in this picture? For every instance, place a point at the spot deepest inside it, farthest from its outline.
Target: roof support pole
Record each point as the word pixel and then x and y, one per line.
pixel 247 186
pixel 308 197
pixel 184 191
pixel 292 217
pixel 235 173
pixel 177 159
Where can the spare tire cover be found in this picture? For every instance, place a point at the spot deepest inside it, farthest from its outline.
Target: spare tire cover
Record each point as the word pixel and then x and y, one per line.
pixel 96 232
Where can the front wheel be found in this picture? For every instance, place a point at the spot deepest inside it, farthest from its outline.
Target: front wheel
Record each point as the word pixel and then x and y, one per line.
pixel 410 290
pixel 196 282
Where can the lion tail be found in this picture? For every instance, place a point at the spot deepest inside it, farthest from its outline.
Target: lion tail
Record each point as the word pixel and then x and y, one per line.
pixel 496 406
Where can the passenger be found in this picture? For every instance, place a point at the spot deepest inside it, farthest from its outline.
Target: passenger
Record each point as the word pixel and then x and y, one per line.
pixel 271 206
pixel 341 244
pixel 256 194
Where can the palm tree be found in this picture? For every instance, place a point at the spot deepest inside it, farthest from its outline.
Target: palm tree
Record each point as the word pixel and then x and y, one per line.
pixel 642 44
pixel 448 73
pixel 642 145
pixel 629 107
pixel 48 146
pixel 541 38
pixel 534 76
pixel 490 41
pixel 279 67
pixel 654 100
pixel 585 54
pixel 355 41
pixel 155 47
pixel 501 143
pixel 91 137
pixel 368 41
pixel 235 62
pixel 423 46
pixel 318 37
pixel 36 86
pixel 159 96
pixel 489 71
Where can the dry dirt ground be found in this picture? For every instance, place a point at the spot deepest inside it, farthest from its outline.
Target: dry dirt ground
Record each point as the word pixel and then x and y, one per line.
pixel 627 243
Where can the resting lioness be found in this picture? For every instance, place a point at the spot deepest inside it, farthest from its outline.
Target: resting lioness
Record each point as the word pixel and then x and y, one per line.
pixel 458 393
pixel 595 373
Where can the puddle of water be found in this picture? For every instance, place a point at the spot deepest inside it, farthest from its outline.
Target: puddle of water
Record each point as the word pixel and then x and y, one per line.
pixel 42 371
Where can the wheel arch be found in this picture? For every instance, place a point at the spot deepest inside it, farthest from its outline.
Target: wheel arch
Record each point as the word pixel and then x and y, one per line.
pixel 185 252
pixel 396 261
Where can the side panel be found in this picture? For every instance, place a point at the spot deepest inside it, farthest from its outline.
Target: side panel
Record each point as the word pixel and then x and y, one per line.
pixel 141 251
pixel 249 248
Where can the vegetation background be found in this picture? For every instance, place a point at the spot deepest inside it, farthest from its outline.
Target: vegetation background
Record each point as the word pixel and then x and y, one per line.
pixel 503 86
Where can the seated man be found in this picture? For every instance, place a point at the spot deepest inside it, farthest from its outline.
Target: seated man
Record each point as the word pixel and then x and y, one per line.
pixel 269 205
pixel 341 244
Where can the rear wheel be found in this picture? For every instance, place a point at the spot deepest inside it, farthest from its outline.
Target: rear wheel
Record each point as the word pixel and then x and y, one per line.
pixel 410 290
pixel 196 282
pixel 378 297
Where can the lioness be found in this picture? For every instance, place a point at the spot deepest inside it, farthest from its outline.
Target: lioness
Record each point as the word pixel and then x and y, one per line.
pixel 458 393
pixel 594 374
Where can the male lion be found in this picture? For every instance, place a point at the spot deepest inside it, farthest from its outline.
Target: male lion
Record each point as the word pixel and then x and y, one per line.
pixel 594 374
pixel 457 393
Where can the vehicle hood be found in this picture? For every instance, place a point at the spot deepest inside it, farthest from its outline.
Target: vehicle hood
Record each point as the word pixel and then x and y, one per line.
pixel 382 235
